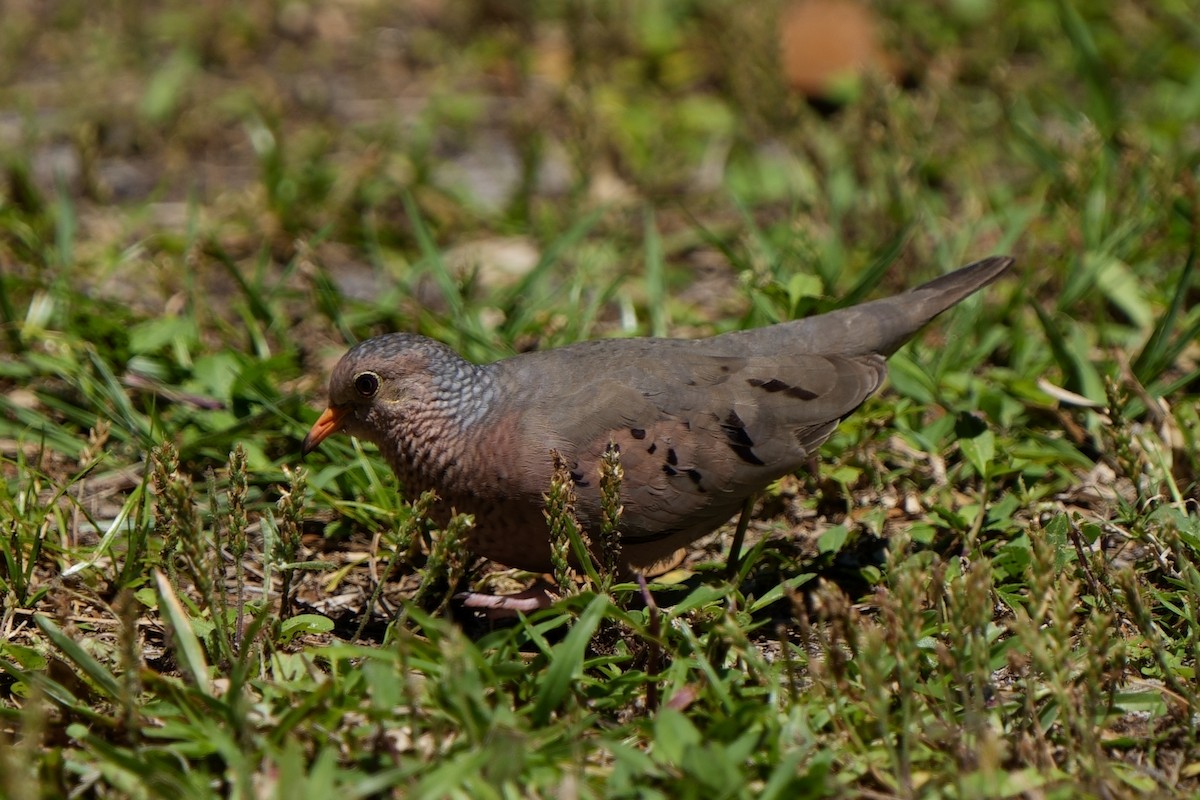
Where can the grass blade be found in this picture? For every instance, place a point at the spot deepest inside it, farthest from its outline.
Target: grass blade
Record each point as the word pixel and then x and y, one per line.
pixel 566 662
pixel 191 654
pixel 80 657
pixel 1157 354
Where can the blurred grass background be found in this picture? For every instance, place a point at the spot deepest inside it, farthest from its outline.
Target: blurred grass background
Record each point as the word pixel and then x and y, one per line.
pixel 203 204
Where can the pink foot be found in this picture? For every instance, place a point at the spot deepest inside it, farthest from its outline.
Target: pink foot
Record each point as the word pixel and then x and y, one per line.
pixel 499 606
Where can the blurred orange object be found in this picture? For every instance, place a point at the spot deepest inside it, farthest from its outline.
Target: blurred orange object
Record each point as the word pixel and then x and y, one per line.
pixel 826 45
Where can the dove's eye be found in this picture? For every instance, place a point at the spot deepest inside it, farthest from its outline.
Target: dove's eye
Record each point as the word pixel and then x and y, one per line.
pixel 366 383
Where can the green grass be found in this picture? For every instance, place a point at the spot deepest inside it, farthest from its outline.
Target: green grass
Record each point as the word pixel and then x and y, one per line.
pixel 989 587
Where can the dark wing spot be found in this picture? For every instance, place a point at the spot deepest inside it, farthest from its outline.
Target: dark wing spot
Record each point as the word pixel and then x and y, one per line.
pixel 776 385
pixel 694 474
pixel 672 459
pixel 653 446
pixel 670 471
pixel 577 478
pixel 735 429
pixel 739 441
pixel 746 454
pixel 637 433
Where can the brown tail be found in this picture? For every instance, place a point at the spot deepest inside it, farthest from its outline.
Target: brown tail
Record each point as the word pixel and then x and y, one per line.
pixel 880 326
pixel 907 313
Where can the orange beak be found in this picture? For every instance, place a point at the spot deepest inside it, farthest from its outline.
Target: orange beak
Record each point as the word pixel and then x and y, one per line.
pixel 329 423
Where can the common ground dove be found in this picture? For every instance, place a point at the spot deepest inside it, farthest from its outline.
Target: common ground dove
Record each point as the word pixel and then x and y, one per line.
pixel 701 423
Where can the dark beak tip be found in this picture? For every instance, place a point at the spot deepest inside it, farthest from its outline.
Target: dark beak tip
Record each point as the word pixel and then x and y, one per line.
pixel 326 425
